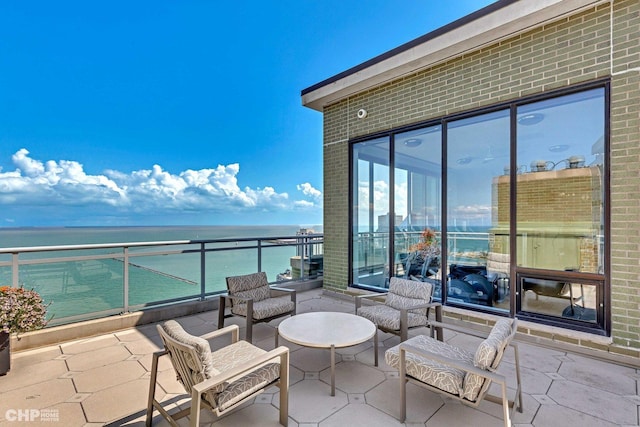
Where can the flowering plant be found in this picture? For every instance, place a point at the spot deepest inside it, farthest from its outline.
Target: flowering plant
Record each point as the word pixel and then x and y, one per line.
pixel 428 244
pixel 21 310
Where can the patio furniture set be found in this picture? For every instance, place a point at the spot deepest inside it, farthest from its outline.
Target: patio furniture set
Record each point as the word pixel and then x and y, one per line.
pixel 222 380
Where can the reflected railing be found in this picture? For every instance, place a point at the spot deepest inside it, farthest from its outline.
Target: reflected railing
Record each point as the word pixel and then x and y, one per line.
pixel 90 281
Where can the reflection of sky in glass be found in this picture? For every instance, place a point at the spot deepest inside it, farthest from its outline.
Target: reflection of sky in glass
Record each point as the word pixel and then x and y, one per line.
pixel 572 125
pixel 549 131
pixel 477 151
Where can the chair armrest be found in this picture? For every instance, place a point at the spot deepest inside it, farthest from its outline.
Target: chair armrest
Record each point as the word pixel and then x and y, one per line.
pixel 461 329
pixel 424 305
pixel 232 329
pixel 282 352
pixel 236 297
pixel 359 298
pixel 278 289
pixel 463 366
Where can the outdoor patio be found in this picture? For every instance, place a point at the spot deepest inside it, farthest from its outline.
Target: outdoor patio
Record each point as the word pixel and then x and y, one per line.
pixel 105 380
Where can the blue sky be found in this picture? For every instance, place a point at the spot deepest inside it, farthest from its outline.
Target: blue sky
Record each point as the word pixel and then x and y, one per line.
pixel 179 112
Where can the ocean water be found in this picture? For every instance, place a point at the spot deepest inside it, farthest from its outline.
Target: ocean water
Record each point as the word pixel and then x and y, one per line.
pixel 89 288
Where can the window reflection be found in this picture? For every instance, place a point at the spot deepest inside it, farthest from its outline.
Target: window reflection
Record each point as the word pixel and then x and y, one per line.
pixel 418 178
pixel 477 230
pixel 560 145
pixel 370 233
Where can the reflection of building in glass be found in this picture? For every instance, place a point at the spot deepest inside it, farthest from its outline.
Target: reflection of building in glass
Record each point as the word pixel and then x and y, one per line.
pixel 559 216
pixel 383 223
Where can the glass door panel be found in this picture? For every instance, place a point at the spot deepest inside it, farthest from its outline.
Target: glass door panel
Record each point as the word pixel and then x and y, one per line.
pixel 560 202
pixel 478 210
pixel 417 204
pixel 370 195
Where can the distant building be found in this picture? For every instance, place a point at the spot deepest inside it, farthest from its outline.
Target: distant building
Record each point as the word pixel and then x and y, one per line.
pixel 514 133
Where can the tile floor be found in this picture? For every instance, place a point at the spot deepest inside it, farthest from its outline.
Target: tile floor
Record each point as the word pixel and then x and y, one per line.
pixel 104 381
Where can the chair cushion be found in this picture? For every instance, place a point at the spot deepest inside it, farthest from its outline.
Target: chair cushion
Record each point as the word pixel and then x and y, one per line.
pixel 405 293
pixel 389 318
pixel 488 357
pixel 266 308
pixel 254 286
pixel 203 352
pixel 235 355
pixel 443 377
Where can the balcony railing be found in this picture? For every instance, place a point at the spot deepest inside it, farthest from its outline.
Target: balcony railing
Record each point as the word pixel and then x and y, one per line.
pixel 96 280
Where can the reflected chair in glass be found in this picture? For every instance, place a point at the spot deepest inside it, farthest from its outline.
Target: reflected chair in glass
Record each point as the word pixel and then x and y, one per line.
pixel 405 306
pixel 220 380
pixel 554 289
pixel 456 372
pixel 251 297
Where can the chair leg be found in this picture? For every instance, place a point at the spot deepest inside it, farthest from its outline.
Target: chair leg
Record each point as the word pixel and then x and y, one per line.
pixel 284 389
pixel 221 308
pixel 404 329
pixel 249 333
pixel 403 385
pixel 152 386
pixel 375 348
pixel 194 417
pixel 505 405
pixel 518 398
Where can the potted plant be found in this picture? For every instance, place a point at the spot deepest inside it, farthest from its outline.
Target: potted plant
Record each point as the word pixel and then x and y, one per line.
pixel 426 250
pixel 21 310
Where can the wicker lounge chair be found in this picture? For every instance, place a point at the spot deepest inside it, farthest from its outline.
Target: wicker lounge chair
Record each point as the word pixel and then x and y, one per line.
pixel 251 297
pixel 405 306
pixel 219 380
pixel 458 373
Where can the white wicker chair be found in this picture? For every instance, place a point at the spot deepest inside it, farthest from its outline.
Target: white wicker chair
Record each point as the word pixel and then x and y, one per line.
pixel 219 380
pixel 251 297
pixel 458 373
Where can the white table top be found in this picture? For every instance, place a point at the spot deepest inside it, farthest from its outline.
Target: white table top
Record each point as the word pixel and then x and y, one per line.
pixel 324 329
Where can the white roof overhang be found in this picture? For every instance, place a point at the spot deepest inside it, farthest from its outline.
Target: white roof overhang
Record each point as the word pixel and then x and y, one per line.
pixel 492 24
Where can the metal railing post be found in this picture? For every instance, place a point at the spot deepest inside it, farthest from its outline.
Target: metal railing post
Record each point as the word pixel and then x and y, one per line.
pixel 203 261
pixel 15 273
pixel 125 281
pixel 259 255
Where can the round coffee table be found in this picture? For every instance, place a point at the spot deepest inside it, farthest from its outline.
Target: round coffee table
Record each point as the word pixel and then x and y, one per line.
pixel 327 330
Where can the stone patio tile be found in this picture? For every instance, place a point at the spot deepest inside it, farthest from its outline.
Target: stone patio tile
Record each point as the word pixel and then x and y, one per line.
pixel 167 380
pixel 555 415
pixel 536 358
pixel 31 357
pixel 455 414
pixel 108 376
pixel 421 403
pixel 310 401
pixel 594 373
pixel 118 402
pixel 312 359
pixel 163 363
pixel 84 345
pixel 354 377
pixel 95 358
pixel 593 401
pixel 128 335
pixel 69 415
pixel 143 346
pixel 45 394
pixel 259 414
pixel 359 416
pixel 22 374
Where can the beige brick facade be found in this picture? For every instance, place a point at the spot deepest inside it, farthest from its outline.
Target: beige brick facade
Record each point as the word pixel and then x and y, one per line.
pixel 603 42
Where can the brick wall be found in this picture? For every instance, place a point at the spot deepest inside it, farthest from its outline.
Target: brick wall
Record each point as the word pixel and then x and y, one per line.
pixel 573 50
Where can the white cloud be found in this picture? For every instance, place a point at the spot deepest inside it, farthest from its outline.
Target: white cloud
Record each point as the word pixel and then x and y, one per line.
pixel 308 190
pixel 148 191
